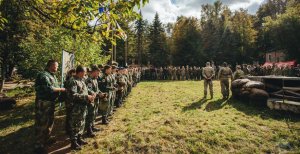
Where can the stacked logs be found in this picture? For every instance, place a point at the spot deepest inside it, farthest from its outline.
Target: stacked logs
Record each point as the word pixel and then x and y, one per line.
pixel 252 91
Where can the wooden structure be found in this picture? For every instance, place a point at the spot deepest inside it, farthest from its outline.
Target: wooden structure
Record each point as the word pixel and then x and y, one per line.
pixel 284 92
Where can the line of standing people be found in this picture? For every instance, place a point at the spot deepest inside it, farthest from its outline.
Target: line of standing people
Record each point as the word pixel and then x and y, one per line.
pixel 87 94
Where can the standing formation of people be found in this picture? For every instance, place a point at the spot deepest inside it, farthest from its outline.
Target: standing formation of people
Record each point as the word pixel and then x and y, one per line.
pixel 87 93
pixel 99 90
pixel 274 69
pixel 195 72
pixel 171 73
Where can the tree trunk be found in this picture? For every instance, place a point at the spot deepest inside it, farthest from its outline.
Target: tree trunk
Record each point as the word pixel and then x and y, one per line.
pixel 10 72
pixel 2 81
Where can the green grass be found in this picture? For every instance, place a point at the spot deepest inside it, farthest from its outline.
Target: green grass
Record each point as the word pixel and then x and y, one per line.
pixel 172 117
pixel 20 92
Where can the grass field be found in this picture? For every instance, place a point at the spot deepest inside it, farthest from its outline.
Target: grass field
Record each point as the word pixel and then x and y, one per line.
pixel 170 117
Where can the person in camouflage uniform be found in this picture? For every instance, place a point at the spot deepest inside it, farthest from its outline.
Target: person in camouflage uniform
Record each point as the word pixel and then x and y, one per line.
pixel 208 74
pixel 114 91
pixel 78 93
pixel 68 103
pixel 187 72
pixel 239 73
pixel 224 74
pixel 182 73
pixel 106 86
pixel 47 92
pixel 121 86
pixel 93 89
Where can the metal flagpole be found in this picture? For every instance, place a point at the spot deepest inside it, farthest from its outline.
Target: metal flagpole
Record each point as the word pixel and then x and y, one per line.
pixel 62 73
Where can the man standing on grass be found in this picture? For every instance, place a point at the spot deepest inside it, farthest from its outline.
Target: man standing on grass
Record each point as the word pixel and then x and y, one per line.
pixel 208 74
pixel 80 98
pixel 47 91
pixel 224 74
pixel 93 89
pixel 106 86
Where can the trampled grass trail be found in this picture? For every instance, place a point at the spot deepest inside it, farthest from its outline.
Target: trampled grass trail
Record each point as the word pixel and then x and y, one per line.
pixel 168 117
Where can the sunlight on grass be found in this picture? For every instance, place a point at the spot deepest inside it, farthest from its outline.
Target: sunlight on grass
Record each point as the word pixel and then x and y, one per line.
pixel 171 117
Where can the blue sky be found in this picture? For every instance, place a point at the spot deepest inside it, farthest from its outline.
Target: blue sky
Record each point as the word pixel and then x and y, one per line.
pixel 168 10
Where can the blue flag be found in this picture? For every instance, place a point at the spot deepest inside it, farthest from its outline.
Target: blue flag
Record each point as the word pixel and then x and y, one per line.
pixel 101 9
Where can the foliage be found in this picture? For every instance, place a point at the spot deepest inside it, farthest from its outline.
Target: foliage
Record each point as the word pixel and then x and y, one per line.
pixel 187 45
pixel 39 50
pixel 157 46
pixel 285 30
pixel 34 31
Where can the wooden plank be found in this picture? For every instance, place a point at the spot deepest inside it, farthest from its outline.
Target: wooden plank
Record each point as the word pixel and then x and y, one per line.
pixel 284 102
pixel 287 97
pixel 291 88
pixel 291 92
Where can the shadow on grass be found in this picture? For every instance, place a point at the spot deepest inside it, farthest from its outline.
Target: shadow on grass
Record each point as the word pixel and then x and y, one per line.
pixel 194 105
pixel 262 110
pixel 20 141
pixel 215 105
pixel 17 116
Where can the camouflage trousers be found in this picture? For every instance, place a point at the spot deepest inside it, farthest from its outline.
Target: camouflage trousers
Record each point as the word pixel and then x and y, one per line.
pixel 208 83
pixel 119 97
pixel 182 77
pixel 105 105
pixel 112 101
pixel 44 119
pixel 77 119
pixel 92 112
pixel 69 107
pixel 224 87
pixel 187 77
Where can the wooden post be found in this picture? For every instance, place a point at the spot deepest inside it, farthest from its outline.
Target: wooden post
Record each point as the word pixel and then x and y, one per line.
pixel 126 52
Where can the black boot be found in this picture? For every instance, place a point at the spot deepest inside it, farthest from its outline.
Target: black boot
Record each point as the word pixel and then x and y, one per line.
pixel 51 141
pixel 80 141
pixel 40 150
pixel 75 145
pixel 95 129
pixel 104 120
pixel 90 132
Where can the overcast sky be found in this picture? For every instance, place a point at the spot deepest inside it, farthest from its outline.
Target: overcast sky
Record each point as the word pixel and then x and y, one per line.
pixel 168 10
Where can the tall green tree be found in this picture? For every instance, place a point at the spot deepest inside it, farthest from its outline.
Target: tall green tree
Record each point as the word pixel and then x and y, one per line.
pixel 11 36
pixel 157 47
pixel 285 30
pixel 245 35
pixel 187 43
pixel 140 35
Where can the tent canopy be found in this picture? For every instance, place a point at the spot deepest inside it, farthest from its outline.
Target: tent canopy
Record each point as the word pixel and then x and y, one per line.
pixel 288 63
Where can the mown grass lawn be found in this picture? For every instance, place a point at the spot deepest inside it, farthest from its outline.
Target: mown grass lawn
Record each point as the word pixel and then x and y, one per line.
pixel 172 117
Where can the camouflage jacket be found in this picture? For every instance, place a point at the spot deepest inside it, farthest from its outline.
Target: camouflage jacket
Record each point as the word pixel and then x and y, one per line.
pixel 44 85
pixel 225 73
pixel 208 72
pixel 78 91
pixel 92 85
pixel 106 83
pixel 238 74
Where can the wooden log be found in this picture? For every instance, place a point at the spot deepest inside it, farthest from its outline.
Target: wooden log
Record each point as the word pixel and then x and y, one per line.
pixel 291 93
pixel 286 97
pixel 291 88
pixel 287 93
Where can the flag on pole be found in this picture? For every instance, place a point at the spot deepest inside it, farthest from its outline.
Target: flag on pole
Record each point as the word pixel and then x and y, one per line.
pixel 122 33
pixel 68 62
